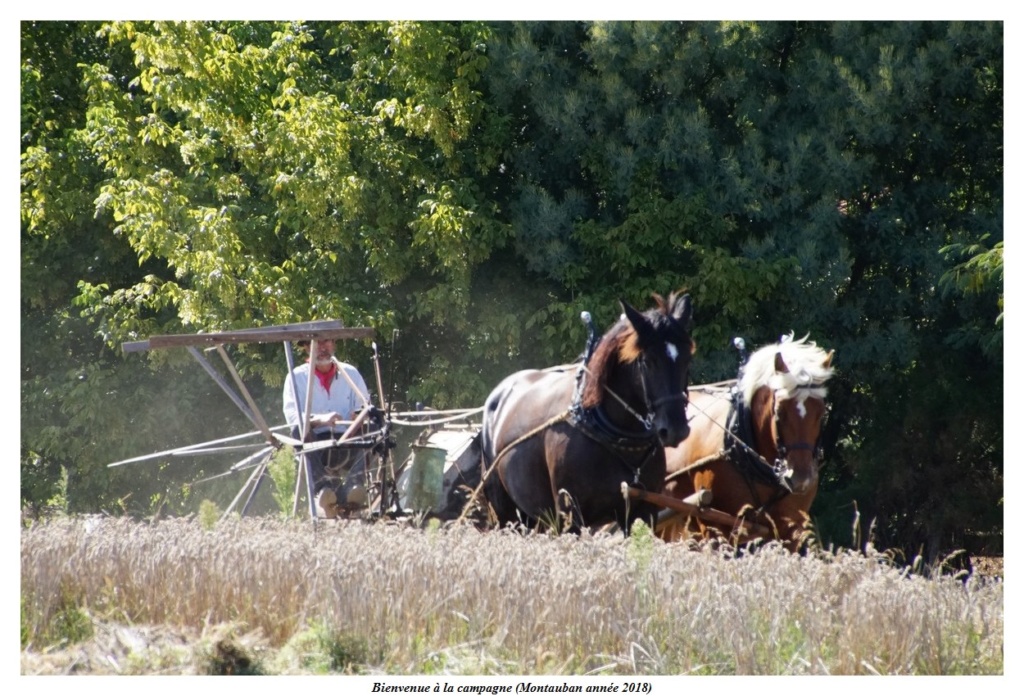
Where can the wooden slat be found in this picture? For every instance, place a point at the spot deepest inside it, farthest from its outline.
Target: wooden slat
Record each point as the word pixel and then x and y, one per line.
pixel 135 346
pixel 707 514
pixel 306 331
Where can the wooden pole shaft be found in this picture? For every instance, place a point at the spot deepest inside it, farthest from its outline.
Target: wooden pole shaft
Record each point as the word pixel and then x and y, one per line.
pixel 752 529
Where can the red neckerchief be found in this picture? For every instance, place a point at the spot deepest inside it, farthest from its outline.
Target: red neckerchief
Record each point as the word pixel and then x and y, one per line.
pixel 327 377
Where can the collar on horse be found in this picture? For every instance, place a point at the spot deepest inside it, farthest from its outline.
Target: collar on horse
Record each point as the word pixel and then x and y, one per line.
pixel 739 448
pixel 594 423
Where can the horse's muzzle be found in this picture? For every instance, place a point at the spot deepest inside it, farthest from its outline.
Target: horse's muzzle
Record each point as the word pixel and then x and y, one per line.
pixel 799 477
pixel 672 426
pixel 672 435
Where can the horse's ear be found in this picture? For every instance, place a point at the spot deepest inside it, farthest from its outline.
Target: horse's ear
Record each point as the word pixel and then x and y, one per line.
pixel 683 310
pixel 780 364
pixel 638 320
pixel 828 359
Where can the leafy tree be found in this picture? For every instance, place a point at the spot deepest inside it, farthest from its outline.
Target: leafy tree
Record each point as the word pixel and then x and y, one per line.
pixel 69 382
pixel 817 177
pixel 255 173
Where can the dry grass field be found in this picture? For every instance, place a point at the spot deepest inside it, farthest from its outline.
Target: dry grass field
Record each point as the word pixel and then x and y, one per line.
pixel 265 596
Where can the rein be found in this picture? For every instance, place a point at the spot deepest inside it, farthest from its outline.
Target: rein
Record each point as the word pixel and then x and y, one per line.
pixel 563 416
pixel 727 452
pixel 704 461
pixel 578 408
pixel 750 462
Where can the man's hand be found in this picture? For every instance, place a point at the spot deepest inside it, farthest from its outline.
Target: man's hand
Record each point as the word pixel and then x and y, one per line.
pixel 321 419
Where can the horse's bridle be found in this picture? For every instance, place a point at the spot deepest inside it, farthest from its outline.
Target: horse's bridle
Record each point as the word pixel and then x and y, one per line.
pixel 751 464
pixel 646 421
pixel 781 467
pixel 652 406
pixel 599 428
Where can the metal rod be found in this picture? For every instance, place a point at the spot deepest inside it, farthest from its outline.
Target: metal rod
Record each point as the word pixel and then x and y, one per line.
pixel 300 476
pixel 217 450
pixel 385 464
pixel 239 496
pixel 355 424
pixel 237 466
pixel 255 486
pixel 222 383
pixel 215 476
pixel 306 427
pixel 186 450
pixel 376 370
pixel 306 414
pixel 260 423
pixel 366 401
pixel 303 472
pixel 290 359
pixel 394 361
pixel 333 330
pixel 300 464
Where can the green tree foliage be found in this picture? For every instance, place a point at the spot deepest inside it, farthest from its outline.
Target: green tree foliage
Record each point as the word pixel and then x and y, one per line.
pixel 816 177
pixel 475 186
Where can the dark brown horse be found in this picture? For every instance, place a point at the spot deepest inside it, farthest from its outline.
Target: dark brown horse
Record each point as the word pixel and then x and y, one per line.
pixel 755 447
pixel 557 445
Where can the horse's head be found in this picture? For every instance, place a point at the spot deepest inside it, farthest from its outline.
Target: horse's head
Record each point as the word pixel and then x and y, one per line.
pixel 661 348
pixel 784 385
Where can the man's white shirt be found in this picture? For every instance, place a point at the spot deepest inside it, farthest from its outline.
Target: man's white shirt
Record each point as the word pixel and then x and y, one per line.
pixel 341 399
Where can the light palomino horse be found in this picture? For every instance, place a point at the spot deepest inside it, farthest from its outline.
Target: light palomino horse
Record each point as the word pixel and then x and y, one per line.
pixel 755 447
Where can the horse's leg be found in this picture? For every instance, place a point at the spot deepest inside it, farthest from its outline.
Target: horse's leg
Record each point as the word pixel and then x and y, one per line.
pixel 793 522
pixel 568 486
pixel 648 514
pixel 497 497
pixel 524 478
pixel 705 478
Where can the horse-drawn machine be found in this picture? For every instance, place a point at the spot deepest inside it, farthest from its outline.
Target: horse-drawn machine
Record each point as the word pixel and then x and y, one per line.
pixel 618 436
pixel 391 488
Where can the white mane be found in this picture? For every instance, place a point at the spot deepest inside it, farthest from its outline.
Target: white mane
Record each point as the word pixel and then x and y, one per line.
pixel 806 363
